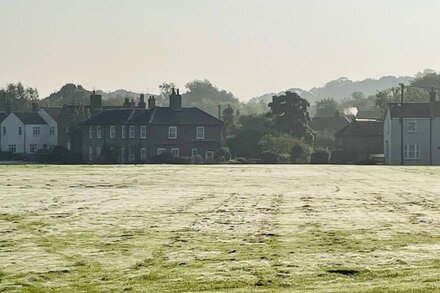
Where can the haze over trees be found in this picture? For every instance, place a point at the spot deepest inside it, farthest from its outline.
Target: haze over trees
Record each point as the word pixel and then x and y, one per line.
pixel 17 97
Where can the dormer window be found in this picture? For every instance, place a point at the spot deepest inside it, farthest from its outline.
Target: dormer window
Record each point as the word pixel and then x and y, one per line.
pixel 172 132
pixel 412 126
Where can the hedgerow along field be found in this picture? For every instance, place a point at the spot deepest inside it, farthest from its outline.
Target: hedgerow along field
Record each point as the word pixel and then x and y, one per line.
pixel 219 228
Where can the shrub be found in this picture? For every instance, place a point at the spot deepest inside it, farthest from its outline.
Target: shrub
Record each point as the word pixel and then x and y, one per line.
pixel 222 155
pixel 197 159
pixel 320 156
pixel 284 158
pixel 300 152
pixel 269 157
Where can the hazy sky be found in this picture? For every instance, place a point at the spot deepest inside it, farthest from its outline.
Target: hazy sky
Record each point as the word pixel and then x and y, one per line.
pixel 249 47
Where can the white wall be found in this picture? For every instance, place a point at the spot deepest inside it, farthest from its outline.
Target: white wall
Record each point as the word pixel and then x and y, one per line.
pixel 53 138
pixel 39 140
pixel 12 123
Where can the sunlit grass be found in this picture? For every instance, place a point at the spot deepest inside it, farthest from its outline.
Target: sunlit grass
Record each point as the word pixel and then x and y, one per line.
pixel 219 228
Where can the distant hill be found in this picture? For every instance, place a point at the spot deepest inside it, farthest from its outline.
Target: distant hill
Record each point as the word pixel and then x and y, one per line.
pixel 342 88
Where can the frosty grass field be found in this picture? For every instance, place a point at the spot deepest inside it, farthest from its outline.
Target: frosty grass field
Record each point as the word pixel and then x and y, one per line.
pixel 208 228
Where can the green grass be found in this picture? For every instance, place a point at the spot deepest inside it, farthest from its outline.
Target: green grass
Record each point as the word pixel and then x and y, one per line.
pixel 219 228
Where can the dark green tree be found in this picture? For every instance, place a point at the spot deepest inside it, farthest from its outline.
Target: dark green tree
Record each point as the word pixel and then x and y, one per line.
pixel 229 118
pixel 291 116
pixel 326 107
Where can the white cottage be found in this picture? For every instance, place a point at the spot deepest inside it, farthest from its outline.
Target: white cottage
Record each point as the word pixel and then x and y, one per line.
pixel 417 125
pixel 26 133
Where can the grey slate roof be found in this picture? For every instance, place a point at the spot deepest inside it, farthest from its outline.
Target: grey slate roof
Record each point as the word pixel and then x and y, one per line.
pixel 120 117
pixel 362 127
pixel 410 110
pixel 54 112
pixel 331 124
pixel 155 116
pixel 30 118
pixel 185 116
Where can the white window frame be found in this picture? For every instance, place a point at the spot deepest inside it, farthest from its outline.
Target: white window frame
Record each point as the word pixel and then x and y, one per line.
pixel 12 148
pixel 143 132
pixel 19 130
pixel 131 155
pixel 123 154
pixel 4 130
pixel 90 153
pixel 36 130
pixel 412 126
pixel 175 152
pixel 52 130
pixel 194 152
pixel 123 131
pixel 112 131
pixel 160 151
pixel 98 152
pixel 33 148
pixel 202 134
pixel 143 154
pixel 90 131
pixel 98 131
pixel 172 132
pixel 209 155
pixel 132 131
pixel 411 152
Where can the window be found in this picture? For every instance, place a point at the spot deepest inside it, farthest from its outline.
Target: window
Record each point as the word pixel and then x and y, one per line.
pixel 132 131
pixel 194 152
pixel 52 146
pixel 112 131
pixel 412 126
pixel 68 146
pixel 123 155
pixel 175 152
pixel 98 152
pixel 90 153
pixel 172 132
pixel 160 151
pixel 143 154
pixel 4 130
pixel 12 148
pixel 44 146
pixel 209 154
pixel 19 130
pixel 123 131
pixel 98 131
pixel 143 131
pixel 200 132
pixel 52 130
pixel 90 131
pixel 67 129
pixel 411 152
pixel 36 131
pixel 32 148
pixel 131 157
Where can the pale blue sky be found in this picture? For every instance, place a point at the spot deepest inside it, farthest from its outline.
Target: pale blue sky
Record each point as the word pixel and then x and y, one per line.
pixel 249 47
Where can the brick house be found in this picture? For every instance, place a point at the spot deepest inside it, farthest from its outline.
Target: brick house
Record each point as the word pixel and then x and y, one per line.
pixel 136 134
pixel 359 141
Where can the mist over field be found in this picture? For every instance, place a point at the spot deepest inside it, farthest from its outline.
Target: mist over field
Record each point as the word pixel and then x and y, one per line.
pixel 235 228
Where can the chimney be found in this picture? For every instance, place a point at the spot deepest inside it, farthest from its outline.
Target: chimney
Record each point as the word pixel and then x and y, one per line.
pixel 35 107
pixel 151 102
pixel 126 103
pixel 95 102
pixel 141 101
pixel 434 104
pixel 175 100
